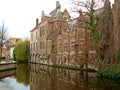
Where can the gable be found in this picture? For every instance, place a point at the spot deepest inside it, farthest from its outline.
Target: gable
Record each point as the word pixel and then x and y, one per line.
pixel 66 15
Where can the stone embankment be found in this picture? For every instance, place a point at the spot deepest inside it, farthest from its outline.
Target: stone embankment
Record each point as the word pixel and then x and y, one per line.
pixel 7 66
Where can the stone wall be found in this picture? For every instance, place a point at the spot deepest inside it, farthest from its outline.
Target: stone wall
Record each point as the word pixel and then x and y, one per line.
pixel 7 66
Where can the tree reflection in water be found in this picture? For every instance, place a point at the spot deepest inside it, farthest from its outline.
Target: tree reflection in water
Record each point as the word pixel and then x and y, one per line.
pixel 23 74
pixel 107 84
pixel 51 78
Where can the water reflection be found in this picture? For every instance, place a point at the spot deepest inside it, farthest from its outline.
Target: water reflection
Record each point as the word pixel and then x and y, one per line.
pixel 16 79
pixel 40 77
pixel 105 84
pixel 7 73
pixel 23 74
pixel 12 83
pixel 49 78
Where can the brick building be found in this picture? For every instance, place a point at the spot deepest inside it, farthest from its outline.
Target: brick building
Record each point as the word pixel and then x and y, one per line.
pixel 58 39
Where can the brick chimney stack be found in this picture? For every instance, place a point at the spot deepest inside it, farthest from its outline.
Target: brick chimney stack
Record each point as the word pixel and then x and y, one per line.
pixel 37 21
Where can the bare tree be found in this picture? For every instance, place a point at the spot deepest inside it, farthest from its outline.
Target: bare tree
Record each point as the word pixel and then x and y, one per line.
pixel 3 37
pixel 105 30
pixel 92 9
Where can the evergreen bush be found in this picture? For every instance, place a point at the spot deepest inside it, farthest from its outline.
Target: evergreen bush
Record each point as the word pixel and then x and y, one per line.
pixel 110 72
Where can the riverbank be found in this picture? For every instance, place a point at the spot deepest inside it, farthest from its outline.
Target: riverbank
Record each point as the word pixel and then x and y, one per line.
pixel 4 87
pixel 68 67
pixel 7 66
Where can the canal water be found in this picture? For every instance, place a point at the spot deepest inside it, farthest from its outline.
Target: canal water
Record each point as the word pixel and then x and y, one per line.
pixel 40 77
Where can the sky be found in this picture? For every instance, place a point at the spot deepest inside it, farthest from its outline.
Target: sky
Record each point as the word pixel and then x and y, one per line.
pixel 19 16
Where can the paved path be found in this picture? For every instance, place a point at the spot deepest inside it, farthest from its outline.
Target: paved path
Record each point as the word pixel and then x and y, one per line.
pixel 4 87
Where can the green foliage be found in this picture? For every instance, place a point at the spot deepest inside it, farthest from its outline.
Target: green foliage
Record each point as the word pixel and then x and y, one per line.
pixel 22 51
pixel 14 55
pixel 23 74
pixel 111 72
pixel 93 21
pixel 99 64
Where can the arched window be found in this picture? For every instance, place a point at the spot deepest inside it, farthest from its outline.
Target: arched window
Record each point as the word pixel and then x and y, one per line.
pixel 65 60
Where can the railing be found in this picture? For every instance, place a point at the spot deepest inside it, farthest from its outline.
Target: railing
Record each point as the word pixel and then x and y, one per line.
pixel 7 66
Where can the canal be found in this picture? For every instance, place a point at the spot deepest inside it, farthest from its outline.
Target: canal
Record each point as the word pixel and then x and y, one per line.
pixel 40 77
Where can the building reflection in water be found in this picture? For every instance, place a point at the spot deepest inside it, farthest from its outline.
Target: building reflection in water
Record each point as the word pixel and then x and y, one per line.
pixel 41 77
pixel 50 78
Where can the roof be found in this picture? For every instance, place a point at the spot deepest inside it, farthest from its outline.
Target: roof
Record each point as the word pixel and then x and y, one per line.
pixel 71 24
pixel 56 14
pixel 13 40
pixel 33 29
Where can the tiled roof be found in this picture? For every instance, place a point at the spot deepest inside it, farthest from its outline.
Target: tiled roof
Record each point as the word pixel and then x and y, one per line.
pixel 12 40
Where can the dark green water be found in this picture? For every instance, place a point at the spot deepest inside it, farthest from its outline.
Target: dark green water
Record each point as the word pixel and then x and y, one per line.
pixel 40 77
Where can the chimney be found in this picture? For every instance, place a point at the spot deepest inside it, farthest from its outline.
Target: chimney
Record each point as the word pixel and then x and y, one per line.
pixel 58 6
pixel 37 21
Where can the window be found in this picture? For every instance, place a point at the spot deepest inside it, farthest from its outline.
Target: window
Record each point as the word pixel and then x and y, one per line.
pixel 36 47
pixel 31 47
pixel 43 45
pixel 58 60
pixel 64 60
pixel 31 36
pixel 36 35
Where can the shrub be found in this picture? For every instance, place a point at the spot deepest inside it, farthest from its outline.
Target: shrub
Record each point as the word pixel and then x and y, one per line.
pixel 22 51
pixel 110 72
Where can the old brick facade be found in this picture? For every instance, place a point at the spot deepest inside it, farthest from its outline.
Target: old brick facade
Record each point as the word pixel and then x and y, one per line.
pixel 58 39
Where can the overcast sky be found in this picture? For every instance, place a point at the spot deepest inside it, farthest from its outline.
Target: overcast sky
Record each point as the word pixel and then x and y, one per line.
pixel 19 15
